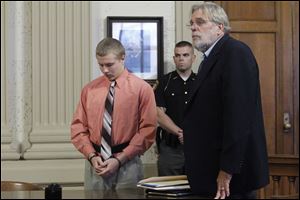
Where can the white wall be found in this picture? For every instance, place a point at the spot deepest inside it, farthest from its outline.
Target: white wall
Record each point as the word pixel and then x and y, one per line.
pixel 183 13
pixel 166 9
pixel 40 85
pixel 44 69
pixel 57 40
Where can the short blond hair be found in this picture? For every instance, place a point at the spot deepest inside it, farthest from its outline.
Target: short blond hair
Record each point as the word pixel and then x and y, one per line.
pixel 110 45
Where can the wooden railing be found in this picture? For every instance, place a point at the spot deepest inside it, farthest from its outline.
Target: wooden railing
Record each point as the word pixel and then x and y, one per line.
pixel 284 177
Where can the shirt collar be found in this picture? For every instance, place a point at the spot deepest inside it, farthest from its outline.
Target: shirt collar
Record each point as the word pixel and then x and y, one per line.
pixel 176 75
pixel 122 78
pixel 207 52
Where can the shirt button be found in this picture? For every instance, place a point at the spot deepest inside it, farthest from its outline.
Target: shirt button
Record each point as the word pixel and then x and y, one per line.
pixel 184 83
pixel 186 102
pixel 173 94
pixel 185 92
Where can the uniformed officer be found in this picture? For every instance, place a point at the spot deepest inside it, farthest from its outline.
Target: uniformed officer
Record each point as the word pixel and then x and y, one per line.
pixel 172 94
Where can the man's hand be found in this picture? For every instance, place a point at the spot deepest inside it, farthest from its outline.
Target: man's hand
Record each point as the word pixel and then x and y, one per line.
pixel 98 164
pixel 223 181
pixel 180 135
pixel 111 166
pixel 167 124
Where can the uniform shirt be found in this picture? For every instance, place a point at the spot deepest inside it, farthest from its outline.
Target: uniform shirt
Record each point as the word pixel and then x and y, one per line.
pixel 134 115
pixel 173 94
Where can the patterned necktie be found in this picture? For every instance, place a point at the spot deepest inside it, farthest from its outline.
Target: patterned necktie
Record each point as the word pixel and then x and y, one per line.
pixel 201 65
pixel 107 122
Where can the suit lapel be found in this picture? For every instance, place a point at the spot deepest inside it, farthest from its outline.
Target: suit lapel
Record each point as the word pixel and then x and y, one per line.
pixel 207 65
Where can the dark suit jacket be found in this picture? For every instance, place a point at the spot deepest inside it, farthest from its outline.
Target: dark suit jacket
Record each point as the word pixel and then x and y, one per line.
pixel 223 125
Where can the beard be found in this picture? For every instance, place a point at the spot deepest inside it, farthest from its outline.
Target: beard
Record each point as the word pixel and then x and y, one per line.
pixel 204 41
pixel 200 46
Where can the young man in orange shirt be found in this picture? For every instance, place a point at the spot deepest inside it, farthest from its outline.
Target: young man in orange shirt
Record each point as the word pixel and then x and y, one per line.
pixel 112 139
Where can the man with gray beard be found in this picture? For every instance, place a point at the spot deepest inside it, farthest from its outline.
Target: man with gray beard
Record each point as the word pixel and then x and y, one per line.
pixel 224 138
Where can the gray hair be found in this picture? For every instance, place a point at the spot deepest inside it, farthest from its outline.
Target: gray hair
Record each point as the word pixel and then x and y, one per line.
pixel 215 13
pixel 110 45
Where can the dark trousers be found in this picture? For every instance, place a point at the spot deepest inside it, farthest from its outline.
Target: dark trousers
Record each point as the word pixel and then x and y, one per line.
pixel 170 160
pixel 247 195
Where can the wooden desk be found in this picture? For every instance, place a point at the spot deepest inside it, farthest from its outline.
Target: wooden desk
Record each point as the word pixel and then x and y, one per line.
pixel 137 193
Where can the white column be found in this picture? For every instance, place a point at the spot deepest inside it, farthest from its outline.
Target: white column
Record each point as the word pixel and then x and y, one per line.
pixel 19 81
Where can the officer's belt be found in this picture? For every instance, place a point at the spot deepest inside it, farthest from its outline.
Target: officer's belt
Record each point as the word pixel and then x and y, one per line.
pixel 114 149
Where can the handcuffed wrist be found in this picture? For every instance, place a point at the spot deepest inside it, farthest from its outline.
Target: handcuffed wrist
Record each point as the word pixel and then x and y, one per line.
pixel 119 161
pixel 92 156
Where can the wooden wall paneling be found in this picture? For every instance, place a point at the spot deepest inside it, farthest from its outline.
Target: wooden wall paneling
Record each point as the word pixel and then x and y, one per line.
pixel 275 55
pixel 258 31
pixel 263 45
pixel 271 29
pixel 295 44
pixel 244 10
pixel 285 139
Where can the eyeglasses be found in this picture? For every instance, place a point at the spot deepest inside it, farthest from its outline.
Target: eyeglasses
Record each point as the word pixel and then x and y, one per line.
pixel 198 22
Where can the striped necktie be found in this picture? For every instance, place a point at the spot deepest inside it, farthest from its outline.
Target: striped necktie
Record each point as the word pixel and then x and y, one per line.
pixel 107 124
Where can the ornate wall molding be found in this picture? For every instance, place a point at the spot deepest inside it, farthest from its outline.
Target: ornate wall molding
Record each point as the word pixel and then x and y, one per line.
pixel 18 74
pixel 48 56
pixel 5 135
pixel 46 46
